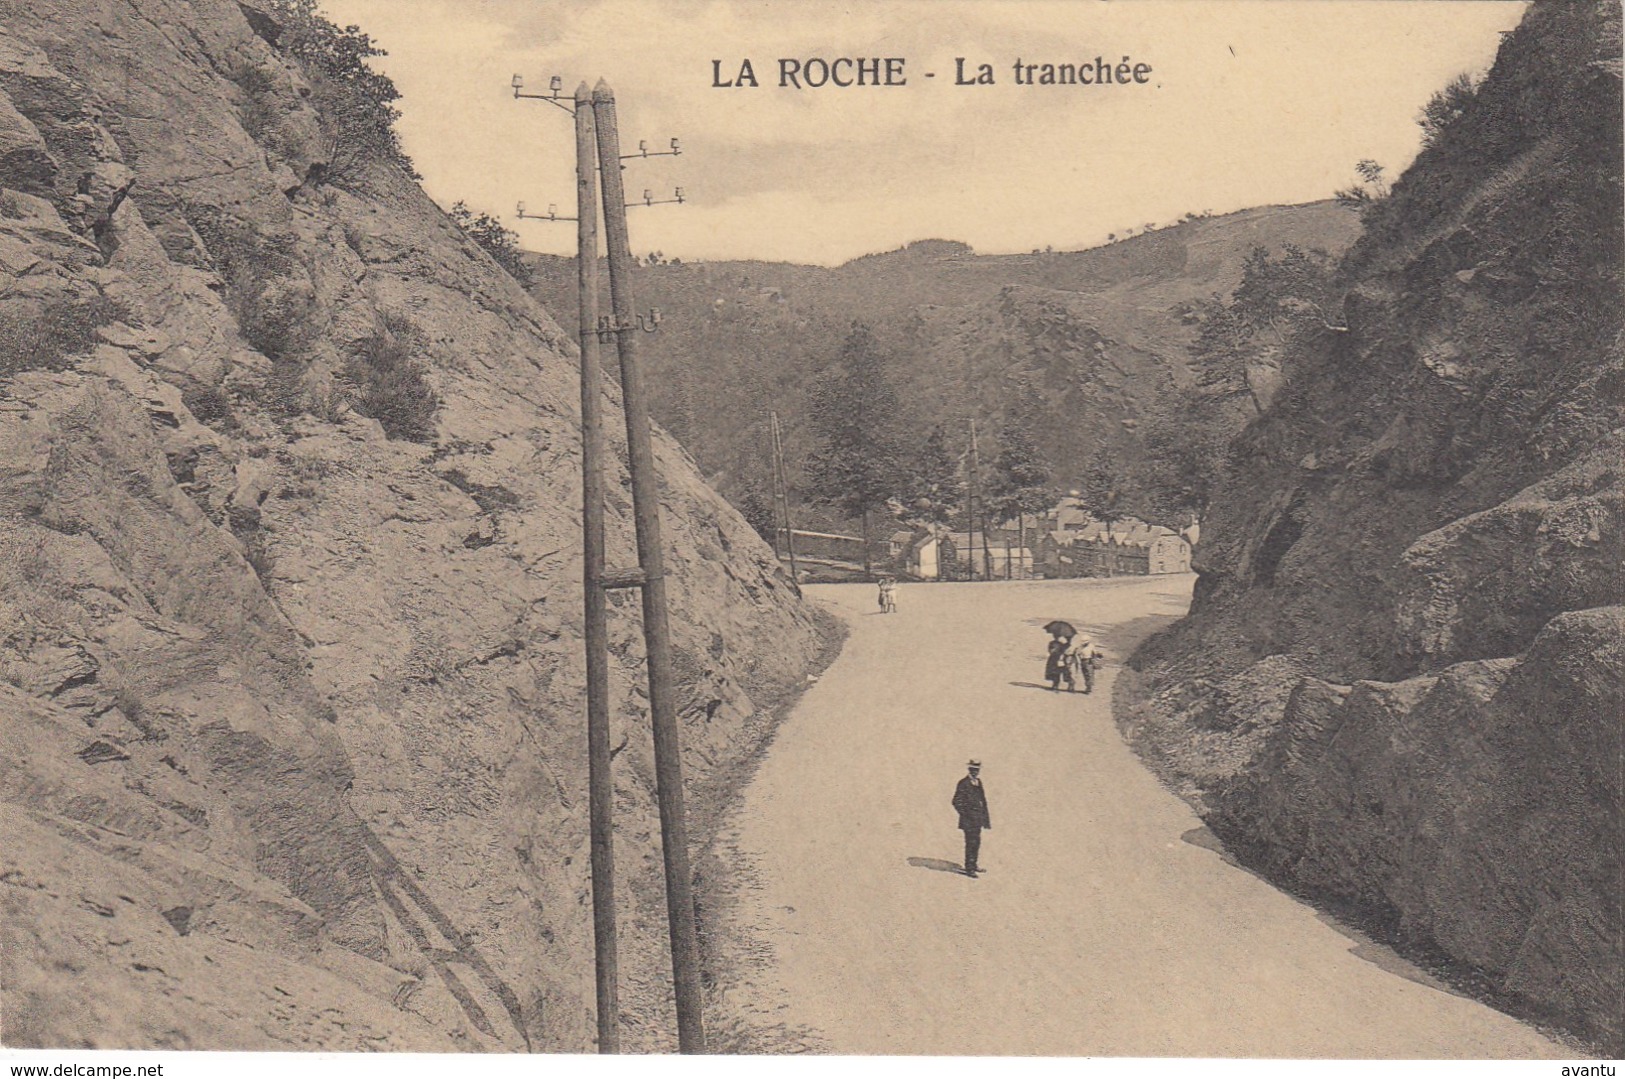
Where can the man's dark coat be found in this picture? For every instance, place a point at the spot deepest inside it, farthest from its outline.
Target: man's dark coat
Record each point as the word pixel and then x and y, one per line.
pixel 971 801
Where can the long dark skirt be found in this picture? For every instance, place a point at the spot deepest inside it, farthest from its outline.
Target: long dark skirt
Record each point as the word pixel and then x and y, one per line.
pixel 1056 668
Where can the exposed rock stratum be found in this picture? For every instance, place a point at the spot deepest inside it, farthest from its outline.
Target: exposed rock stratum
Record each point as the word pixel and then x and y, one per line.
pixel 1401 688
pixel 291 746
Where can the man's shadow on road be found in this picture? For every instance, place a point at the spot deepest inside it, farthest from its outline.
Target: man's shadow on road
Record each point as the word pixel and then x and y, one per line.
pixel 941 865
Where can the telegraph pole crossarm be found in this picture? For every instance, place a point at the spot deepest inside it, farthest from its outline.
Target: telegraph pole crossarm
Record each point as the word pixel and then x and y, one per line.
pixel 649 197
pixel 551 215
pixel 644 151
pixel 554 97
pixel 610 325
pixel 656 629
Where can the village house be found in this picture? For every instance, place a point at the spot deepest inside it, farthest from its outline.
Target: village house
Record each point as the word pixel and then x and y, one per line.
pixel 975 556
pixel 1170 553
pixel 1066 516
pixel 1051 550
pixel 1125 547
pixel 916 554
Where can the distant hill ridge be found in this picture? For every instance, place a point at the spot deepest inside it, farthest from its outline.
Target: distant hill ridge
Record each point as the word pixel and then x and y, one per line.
pixel 1094 333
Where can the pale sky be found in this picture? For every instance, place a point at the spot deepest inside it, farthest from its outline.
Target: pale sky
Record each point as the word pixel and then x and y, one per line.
pixel 1247 102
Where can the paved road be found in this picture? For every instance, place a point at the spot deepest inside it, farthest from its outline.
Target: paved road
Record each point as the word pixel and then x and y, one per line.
pixel 1098 929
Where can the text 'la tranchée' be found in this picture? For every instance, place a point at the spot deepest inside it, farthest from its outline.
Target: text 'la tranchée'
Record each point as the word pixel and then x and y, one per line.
pixel 845 71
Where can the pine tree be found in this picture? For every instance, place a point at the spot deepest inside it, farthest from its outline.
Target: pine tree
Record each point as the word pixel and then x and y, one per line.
pixel 1021 478
pixel 1186 431
pixel 1278 297
pixel 856 466
pixel 1100 489
pixel 933 484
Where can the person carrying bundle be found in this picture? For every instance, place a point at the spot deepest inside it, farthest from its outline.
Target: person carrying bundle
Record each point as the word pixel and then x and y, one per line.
pixel 1081 657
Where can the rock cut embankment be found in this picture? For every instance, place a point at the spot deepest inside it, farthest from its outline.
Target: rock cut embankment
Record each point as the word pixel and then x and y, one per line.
pixel 1400 689
pixel 290 674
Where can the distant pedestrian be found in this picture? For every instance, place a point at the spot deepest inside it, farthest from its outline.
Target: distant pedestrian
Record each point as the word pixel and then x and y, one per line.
pixel 888 595
pixel 970 799
pixel 1056 667
pixel 1081 657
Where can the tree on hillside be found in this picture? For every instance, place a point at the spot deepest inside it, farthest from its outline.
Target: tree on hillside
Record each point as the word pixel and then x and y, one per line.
pixel 1239 344
pixel 356 105
pixel 856 466
pixel 1185 449
pixel 1369 191
pixel 500 242
pixel 1278 297
pixel 1445 106
pixel 933 487
pixel 759 512
pixel 1100 488
pixel 1020 483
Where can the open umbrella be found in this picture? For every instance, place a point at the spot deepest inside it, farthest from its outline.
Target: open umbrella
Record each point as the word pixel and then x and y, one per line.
pixel 1065 629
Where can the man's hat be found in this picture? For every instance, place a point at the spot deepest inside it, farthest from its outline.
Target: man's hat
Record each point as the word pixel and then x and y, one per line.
pixel 973 764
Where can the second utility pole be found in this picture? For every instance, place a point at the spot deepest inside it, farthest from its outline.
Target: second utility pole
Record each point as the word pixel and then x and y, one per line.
pixel 975 508
pixel 781 489
pixel 685 952
pixel 600 782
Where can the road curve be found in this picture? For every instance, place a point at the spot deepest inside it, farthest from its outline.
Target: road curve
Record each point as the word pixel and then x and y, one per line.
pixel 1099 928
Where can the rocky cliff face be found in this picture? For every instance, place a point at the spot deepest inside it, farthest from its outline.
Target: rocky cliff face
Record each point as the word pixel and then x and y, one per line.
pixel 1400 687
pixel 290 675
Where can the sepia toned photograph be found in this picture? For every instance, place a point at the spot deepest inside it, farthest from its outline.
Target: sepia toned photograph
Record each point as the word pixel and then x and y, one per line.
pixel 929 528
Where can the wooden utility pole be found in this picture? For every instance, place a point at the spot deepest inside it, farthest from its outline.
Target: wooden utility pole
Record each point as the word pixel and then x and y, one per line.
pixel 781 485
pixel 652 579
pixel 773 478
pixel 976 507
pixel 600 782
pixel 1021 543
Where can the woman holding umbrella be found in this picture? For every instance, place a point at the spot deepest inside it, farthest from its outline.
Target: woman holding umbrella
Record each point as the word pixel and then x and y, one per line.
pixel 1056 667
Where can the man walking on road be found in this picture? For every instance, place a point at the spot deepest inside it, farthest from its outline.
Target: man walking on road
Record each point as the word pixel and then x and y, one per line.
pixel 971 802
